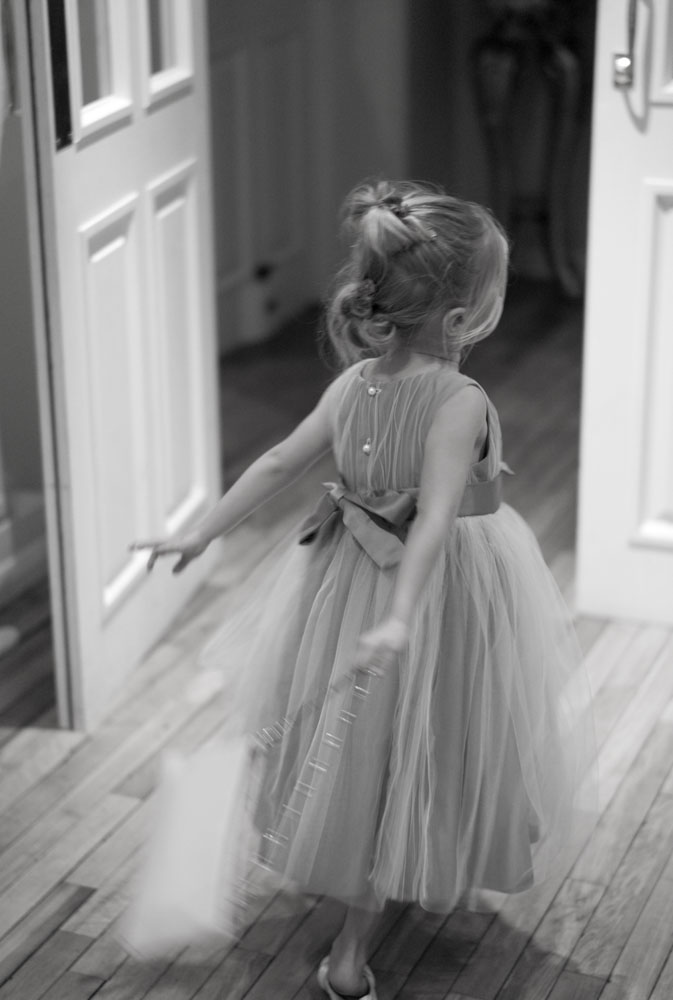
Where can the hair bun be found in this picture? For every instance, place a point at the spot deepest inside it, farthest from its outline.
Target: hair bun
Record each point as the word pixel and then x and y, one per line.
pixel 358 300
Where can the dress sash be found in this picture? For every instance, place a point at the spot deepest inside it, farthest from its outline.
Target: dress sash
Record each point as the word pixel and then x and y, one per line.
pixel 379 521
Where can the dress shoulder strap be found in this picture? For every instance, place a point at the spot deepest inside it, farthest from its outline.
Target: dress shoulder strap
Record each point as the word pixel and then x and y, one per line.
pixel 491 464
pixel 344 379
pixel 450 382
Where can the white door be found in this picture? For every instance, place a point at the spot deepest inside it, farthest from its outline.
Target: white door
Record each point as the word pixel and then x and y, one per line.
pixel 625 544
pixel 122 106
pixel 260 86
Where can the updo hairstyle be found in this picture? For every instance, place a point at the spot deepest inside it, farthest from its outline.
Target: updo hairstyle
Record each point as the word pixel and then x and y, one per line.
pixel 415 252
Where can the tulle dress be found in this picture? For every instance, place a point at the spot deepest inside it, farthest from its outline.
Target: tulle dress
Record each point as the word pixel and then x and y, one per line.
pixel 463 767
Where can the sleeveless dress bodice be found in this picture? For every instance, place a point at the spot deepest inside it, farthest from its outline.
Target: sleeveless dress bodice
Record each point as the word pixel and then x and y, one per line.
pixel 380 426
pixel 379 429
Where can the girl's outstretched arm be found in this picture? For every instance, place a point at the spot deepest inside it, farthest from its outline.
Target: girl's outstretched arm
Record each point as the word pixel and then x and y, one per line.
pixel 448 454
pixel 268 475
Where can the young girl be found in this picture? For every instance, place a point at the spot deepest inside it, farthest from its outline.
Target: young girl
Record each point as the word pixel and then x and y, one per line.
pixel 449 759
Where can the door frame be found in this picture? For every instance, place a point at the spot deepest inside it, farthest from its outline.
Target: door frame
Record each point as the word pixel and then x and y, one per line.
pixel 34 84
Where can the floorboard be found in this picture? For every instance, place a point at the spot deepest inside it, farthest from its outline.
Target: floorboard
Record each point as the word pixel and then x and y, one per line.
pixel 648 948
pixel 622 903
pixel 574 986
pixel 37 926
pixel 44 967
pixel 72 986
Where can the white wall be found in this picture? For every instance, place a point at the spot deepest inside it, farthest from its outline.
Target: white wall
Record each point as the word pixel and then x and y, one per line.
pixel 340 92
pixel 359 108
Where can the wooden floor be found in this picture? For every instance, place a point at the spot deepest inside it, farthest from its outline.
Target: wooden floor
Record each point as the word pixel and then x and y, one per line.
pixel 26 660
pixel 75 807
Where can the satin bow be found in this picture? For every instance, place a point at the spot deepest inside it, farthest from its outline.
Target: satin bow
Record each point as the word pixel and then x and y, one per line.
pixel 379 520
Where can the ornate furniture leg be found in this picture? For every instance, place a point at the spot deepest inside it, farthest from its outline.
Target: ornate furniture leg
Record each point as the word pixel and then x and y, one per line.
pixel 497 65
pixel 532 33
pixel 562 69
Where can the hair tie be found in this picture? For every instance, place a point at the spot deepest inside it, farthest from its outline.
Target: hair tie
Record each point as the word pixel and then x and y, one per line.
pixel 393 202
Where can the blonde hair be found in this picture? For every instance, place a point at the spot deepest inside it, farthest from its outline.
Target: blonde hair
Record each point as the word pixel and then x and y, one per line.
pixel 415 252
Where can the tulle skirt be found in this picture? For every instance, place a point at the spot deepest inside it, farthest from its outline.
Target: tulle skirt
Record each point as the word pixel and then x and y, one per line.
pixel 467 767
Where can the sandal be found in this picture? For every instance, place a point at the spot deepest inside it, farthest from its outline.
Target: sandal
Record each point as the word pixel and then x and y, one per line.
pixel 323 981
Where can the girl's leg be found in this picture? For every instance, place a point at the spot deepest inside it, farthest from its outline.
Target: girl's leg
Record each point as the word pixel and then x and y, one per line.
pixel 350 951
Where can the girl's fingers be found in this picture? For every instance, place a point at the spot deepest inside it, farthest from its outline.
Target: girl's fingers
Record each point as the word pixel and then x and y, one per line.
pixel 181 563
pixel 137 546
pixel 159 550
pixel 186 553
pixel 164 549
pixel 153 558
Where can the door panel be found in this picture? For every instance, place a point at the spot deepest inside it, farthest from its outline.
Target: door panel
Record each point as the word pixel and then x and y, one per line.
pixel 131 321
pixel 182 361
pixel 625 544
pixel 654 517
pixel 116 357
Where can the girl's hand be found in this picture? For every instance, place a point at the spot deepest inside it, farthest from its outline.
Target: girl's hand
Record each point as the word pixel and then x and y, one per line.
pixel 379 648
pixel 188 547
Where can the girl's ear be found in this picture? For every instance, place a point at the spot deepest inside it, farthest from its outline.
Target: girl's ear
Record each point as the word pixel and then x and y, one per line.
pixel 454 319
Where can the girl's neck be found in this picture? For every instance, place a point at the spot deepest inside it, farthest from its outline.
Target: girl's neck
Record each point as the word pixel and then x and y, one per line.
pixel 405 360
pixel 452 362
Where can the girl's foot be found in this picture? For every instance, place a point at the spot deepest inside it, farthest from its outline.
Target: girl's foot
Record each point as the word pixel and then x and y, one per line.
pixel 344 985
